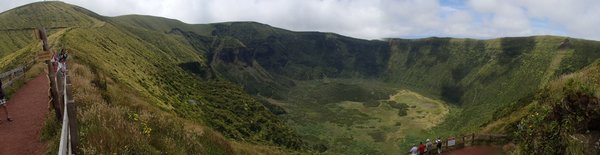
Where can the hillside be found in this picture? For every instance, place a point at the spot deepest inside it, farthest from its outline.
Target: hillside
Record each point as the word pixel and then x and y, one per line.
pixel 110 59
pixel 480 77
pixel 561 118
pixel 278 90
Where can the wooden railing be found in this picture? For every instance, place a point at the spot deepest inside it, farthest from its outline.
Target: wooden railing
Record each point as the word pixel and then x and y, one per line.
pixel 9 77
pixel 461 141
pixel 475 139
pixel 63 103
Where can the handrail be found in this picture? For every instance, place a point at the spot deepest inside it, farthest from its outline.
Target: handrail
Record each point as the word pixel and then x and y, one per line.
pixel 12 75
pixel 458 142
pixel 64 147
pixel 8 73
pixel 63 103
pixel 475 139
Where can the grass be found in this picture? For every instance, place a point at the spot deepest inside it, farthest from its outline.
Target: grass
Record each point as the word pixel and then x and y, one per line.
pixel 137 59
pixel 113 123
pixel 558 119
pixel 126 124
pixel 478 76
pixel 346 123
pixel 145 56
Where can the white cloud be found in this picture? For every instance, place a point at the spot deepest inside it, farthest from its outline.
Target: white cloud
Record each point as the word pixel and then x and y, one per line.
pixel 580 17
pixel 458 23
pixel 373 19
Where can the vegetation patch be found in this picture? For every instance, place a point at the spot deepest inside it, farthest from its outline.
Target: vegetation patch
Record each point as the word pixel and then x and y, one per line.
pixel 567 115
pixel 355 126
pixel 402 107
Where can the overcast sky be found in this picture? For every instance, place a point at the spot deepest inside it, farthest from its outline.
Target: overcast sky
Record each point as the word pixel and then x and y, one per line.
pixel 376 19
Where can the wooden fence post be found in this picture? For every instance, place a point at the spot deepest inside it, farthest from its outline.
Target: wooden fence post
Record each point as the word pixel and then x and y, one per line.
pixel 11 76
pixel 72 113
pixel 473 139
pixel 60 88
pixel 464 141
pixel 445 144
pixel 54 90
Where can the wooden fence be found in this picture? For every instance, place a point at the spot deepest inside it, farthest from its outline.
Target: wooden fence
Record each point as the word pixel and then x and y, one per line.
pixel 62 98
pixel 473 140
pixel 64 106
pixel 9 77
pixel 461 141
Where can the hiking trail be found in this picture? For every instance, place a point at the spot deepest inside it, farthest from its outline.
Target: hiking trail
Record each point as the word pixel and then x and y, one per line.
pixel 28 108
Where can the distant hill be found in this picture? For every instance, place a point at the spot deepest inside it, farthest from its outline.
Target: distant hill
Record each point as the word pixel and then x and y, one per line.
pixel 225 76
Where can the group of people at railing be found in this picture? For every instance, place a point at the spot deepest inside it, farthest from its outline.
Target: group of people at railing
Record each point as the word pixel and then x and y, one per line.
pixel 427 148
pixel 451 143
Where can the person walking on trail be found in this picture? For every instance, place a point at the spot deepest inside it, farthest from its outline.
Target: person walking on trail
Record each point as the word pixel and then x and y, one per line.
pixel 62 57
pixel 429 146
pixel 438 145
pixel 3 103
pixel 60 60
pixel 414 150
pixel 421 148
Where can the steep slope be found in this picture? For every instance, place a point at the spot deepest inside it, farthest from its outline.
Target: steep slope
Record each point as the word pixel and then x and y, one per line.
pixel 148 62
pixel 565 115
pixel 481 77
pixel 478 74
pixel 18 29
pixel 49 15
pixel 161 24
pixel 191 74
pixel 115 59
pixel 561 118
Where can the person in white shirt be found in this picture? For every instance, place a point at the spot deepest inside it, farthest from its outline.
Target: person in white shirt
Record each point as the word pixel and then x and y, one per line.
pixel 413 150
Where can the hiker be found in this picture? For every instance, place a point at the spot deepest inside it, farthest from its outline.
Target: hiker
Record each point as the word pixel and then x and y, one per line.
pixel 62 57
pixel 421 148
pixel 3 103
pixel 438 145
pixel 429 147
pixel 413 150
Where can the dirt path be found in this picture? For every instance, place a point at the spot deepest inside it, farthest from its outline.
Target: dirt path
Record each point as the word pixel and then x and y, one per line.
pixel 27 108
pixel 475 150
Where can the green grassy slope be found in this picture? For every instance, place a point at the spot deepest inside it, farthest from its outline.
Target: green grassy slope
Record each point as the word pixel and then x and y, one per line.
pixel 49 15
pixel 565 116
pixel 484 76
pixel 147 63
pixel 194 71
pixel 561 118
pixel 481 76
pixel 161 24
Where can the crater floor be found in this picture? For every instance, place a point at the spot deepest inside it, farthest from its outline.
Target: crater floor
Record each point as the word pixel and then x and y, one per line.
pixel 358 116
